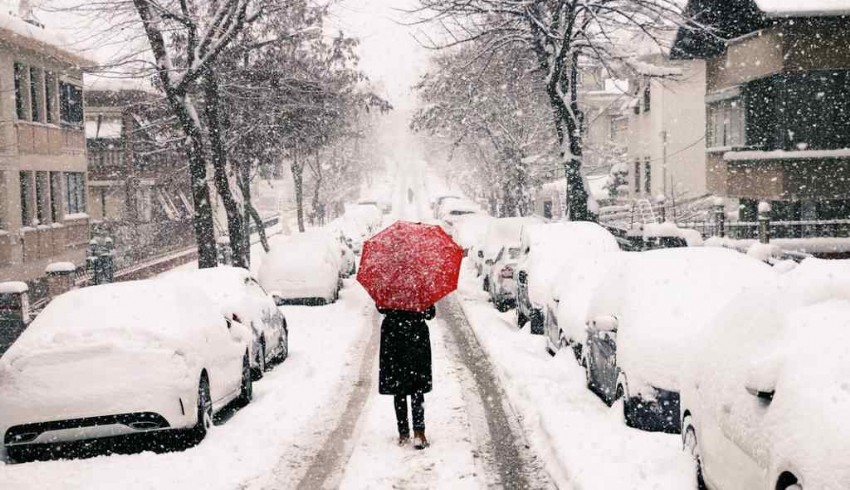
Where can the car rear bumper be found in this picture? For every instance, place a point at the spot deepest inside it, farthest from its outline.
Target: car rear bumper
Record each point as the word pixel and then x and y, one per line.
pixel 69 430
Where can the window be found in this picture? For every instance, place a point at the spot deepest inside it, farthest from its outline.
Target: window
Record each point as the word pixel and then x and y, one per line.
pixel 547 209
pixel 647 176
pixel 42 198
pixel 637 176
pixel 49 97
pixel 35 100
pixel 20 103
pixel 75 187
pixel 647 97
pixel 70 104
pixel 26 198
pixel 55 196
pixel 726 123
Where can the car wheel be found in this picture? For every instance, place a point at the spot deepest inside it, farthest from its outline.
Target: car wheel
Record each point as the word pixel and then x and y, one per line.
pixel 246 388
pixel 205 411
pixel 690 445
pixel 502 306
pixel 521 319
pixel 536 320
pixel 259 370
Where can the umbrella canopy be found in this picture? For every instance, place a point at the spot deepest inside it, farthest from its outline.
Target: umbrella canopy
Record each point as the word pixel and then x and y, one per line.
pixel 409 266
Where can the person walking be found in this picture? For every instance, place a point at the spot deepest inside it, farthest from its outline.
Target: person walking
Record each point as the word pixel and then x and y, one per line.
pixel 405 368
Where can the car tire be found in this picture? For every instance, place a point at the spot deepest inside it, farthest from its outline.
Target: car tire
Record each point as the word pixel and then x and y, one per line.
pixel 246 387
pixel 205 412
pixel 691 445
pixel 502 306
pixel 521 319
pixel 536 320
pixel 260 369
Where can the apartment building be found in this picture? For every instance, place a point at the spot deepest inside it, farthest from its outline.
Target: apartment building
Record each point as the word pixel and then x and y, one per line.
pixel 43 213
pixel 666 130
pixel 777 101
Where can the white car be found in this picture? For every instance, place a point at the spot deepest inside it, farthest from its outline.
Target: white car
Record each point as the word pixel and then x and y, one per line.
pixel 645 321
pixel 544 249
pixel 302 269
pixel 765 406
pixel 121 359
pixel 241 298
pixel 501 232
pixel 499 280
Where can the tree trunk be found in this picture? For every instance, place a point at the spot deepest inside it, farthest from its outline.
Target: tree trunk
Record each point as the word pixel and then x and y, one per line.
pixel 318 208
pixel 298 180
pixel 202 220
pixel 219 162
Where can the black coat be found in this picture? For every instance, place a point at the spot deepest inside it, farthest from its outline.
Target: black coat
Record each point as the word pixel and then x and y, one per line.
pixel 405 362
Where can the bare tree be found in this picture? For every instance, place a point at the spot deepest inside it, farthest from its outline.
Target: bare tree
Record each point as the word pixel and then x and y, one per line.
pixel 559 34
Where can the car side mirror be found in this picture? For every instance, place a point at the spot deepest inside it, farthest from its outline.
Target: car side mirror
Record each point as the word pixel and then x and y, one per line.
pixel 761 380
pixel 604 323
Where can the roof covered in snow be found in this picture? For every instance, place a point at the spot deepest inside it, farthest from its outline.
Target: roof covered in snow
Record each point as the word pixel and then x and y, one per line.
pixel 803 8
pixel 15 30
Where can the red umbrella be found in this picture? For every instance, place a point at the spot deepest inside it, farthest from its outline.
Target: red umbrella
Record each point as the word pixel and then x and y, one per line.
pixel 409 266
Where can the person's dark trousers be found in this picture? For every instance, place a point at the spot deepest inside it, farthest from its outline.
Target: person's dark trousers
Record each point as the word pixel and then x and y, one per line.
pixel 417 402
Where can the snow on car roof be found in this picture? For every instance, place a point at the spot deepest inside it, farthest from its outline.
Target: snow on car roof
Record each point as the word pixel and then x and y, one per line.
pixel 664 298
pixel 13 287
pixel 129 313
pixel 804 8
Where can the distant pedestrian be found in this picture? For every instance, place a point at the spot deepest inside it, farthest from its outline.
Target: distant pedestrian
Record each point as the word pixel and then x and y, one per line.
pixel 405 368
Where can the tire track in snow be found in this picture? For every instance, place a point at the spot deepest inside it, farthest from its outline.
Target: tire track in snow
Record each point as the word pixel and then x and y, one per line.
pixel 505 450
pixel 328 464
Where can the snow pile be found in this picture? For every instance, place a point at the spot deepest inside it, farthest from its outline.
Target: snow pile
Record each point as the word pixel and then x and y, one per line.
pixel 663 299
pixel 13 287
pixel 59 267
pixel 470 230
pixel 550 245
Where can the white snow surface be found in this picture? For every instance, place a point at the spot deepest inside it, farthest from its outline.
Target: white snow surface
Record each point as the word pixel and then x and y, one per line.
pixel 663 299
pixel 301 266
pixel 13 287
pixel 60 267
pixel 804 8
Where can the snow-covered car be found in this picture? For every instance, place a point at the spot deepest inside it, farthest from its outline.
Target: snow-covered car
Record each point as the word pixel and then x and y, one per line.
pixel 241 298
pixel 501 232
pixel 458 211
pixel 645 320
pixel 500 282
pixel 303 269
pixel 469 231
pixel 544 249
pixel 564 323
pixel 121 359
pixel 765 407
pixel 442 199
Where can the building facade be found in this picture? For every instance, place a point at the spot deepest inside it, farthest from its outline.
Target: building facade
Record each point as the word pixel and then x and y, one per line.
pixel 666 132
pixel 139 193
pixel 777 99
pixel 43 203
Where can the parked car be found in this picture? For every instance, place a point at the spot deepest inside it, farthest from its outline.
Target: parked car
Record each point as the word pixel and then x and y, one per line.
pixel 500 282
pixel 303 269
pixel 241 298
pixel 564 322
pixel 440 200
pixel 469 231
pixel 765 406
pixel 544 249
pixel 501 232
pixel 645 319
pixel 121 359
pixel 453 209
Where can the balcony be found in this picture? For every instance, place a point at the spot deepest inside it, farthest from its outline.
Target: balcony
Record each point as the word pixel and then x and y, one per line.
pixel 47 139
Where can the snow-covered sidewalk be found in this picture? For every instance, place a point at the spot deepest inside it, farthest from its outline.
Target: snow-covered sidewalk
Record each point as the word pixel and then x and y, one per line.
pixel 585 444
pixel 267 444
